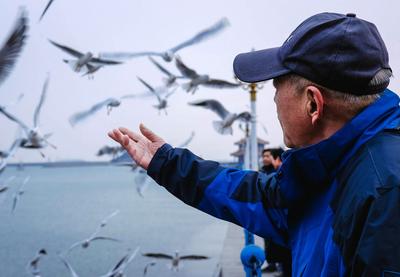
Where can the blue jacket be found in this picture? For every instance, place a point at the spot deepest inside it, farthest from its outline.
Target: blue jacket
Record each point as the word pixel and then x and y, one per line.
pixel 335 204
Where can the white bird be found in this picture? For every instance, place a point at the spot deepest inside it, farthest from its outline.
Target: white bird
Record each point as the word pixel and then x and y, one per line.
pixel 33 138
pixel 86 242
pixel 13 46
pixel 19 193
pixel 162 99
pixel 85 61
pixel 109 103
pixel 223 126
pixel 68 265
pixel 200 79
pixel 33 266
pixel 168 55
pixel 45 9
pixel 119 269
pixel 5 155
pixel 175 260
pixel 171 78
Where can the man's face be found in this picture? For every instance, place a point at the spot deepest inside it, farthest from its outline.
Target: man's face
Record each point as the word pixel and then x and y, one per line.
pixel 292 114
pixel 267 158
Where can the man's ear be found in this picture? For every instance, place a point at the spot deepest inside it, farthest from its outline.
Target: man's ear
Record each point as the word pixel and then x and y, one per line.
pixel 315 103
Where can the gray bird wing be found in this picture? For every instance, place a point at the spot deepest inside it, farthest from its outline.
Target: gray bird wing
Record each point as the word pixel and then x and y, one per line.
pixel 194 257
pixel 74 245
pixel 13 46
pixel 160 67
pixel 45 9
pixel 158 256
pixel 147 267
pixel 67 49
pixel 152 90
pixel 40 104
pixel 104 238
pixel 220 84
pixel 202 35
pixel 185 143
pixel 15 119
pixel 184 70
pixel 100 61
pixel 77 117
pixel 104 222
pixel 128 55
pixel 213 105
pixel 68 265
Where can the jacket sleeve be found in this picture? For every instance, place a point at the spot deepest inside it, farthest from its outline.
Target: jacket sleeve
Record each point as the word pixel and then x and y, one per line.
pixel 246 198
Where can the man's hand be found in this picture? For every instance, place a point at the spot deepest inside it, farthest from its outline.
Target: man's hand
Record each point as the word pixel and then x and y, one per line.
pixel 141 148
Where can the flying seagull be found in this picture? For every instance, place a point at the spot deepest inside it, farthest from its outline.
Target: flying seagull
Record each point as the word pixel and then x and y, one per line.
pixel 171 78
pixel 19 193
pixel 84 62
pixel 13 46
pixel 4 187
pixel 45 9
pixel 5 155
pixel 33 266
pixel 109 103
pixel 169 54
pixel 119 269
pixel 86 242
pixel 223 126
pixel 68 265
pixel 146 268
pixel 200 79
pixel 33 138
pixel 175 260
pixel 162 99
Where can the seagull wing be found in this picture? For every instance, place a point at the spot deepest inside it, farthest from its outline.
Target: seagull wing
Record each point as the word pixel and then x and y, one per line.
pixel 39 106
pixel 194 257
pixel 15 119
pixel 45 9
pixel 184 144
pixel 146 84
pixel 158 256
pixel 77 117
pixel 68 265
pixel 204 34
pixel 220 84
pixel 127 55
pixel 160 67
pixel 213 105
pixel 100 61
pixel 67 49
pixel 105 238
pixel 244 116
pixel 74 245
pixel 13 46
pixel 184 70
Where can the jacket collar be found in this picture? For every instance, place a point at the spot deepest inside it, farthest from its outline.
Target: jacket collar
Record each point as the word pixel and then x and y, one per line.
pixel 312 168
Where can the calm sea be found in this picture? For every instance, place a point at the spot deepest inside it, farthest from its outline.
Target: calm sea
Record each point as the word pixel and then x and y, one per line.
pixel 62 205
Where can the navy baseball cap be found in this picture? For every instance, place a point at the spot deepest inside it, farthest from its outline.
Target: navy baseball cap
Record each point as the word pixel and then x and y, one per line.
pixel 337 51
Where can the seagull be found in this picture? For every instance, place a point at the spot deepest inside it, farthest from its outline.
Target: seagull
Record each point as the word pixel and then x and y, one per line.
pixel 84 62
pixel 162 100
pixel 171 78
pixel 4 188
pixel 224 126
pixel 197 79
pixel 109 103
pixel 13 46
pixel 168 55
pixel 33 265
pixel 5 155
pixel 45 9
pixel 68 265
pixel 110 150
pixel 119 269
pixel 33 137
pixel 19 193
pixel 175 259
pixel 186 142
pixel 86 242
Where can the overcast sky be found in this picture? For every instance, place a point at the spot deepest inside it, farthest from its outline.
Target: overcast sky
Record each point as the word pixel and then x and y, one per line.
pixel 133 25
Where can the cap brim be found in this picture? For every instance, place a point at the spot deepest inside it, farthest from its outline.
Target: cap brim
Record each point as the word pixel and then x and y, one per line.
pixel 259 65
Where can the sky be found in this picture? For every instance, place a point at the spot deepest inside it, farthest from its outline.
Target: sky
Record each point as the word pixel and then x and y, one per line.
pixel 133 25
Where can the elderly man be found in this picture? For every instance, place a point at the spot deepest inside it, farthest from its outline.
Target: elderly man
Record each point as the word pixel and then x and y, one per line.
pixel 340 183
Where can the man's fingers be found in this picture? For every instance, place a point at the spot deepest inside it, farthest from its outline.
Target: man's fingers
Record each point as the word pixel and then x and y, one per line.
pixel 134 136
pixel 120 138
pixel 149 134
